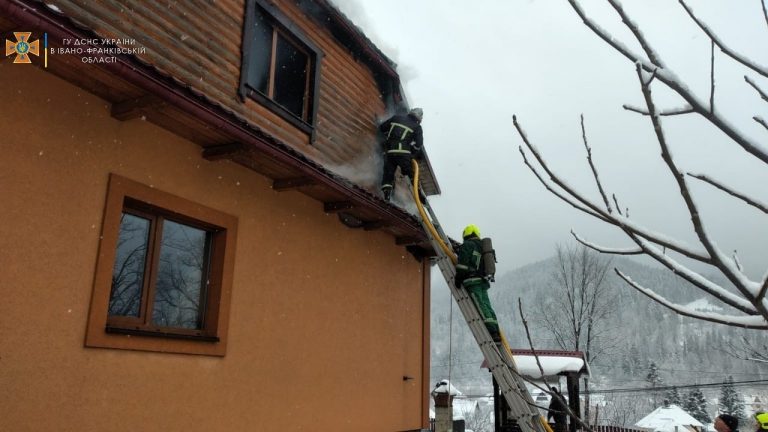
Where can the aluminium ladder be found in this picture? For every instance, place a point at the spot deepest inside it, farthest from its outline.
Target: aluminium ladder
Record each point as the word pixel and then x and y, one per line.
pixel 500 361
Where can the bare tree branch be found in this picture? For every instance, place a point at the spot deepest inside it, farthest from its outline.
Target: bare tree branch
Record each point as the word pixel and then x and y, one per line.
pixel 638 35
pixel 718 259
pixel 592 165
pixel 763 289
pixel 736 260
pixel 729 52
pixel 754 203
pixel 750 322
pixel 616 202
pixel 530 341
pixel 563 402
pixel 671 81
pixel 712 79
pixel 670 112
pixel 602 249
pixel 761 121
pixel 696 279
pixel 556 180
pixel 613 219
pixel 557 193
pixel 755 86
pixel 638 235
pixel 765 13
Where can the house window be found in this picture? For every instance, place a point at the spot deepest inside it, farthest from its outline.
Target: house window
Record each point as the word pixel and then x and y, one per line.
pixel 163 274
pixel 280 66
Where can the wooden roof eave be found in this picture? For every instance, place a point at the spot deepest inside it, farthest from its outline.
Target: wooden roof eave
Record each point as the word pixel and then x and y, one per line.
pixel 244 136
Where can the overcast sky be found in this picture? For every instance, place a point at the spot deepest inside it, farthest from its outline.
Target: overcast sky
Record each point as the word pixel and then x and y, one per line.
pixel 472 67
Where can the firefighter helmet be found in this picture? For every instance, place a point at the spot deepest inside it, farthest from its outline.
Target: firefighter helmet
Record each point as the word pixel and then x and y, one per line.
pixel 471 230
pixel 762 420
pixel 417 113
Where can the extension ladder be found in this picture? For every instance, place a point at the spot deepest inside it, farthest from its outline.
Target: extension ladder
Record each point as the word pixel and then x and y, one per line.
pixel 500 361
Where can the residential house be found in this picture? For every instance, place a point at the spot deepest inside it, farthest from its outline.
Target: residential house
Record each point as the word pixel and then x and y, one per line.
pixel 670 418
pixel 181 248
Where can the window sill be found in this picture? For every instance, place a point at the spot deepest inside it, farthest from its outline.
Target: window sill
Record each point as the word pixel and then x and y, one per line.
pixel 279 110
pixel 160 334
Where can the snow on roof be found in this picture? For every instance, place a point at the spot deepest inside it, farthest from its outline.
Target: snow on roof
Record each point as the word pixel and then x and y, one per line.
pixel 552 365
pixel 442 387
pixel 671 418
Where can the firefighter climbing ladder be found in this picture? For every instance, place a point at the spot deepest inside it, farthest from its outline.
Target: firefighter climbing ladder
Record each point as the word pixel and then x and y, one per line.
pixel 500 362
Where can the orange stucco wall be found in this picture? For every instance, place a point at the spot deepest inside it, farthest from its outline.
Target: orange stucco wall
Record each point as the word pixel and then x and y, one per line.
pixel 325 321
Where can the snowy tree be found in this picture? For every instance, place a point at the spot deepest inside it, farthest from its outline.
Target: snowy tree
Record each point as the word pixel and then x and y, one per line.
pixel 624 410
pixel 578 314
pixel 479 419
pixel 748 302
pixel 730 401
pixel 654 379
pixel 673 396
pixel 696 405
pixel 746 349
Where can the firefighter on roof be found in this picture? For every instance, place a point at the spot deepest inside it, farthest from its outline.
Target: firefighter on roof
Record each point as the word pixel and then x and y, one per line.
pixel 403 141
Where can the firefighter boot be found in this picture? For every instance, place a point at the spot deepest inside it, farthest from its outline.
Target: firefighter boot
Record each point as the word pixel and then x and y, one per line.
pixel 496 336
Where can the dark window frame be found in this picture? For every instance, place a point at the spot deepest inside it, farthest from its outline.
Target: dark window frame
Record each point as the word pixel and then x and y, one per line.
pixel 286 29
pixel 139 333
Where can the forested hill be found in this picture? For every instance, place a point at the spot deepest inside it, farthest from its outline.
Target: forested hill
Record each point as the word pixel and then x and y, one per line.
pixel 638 331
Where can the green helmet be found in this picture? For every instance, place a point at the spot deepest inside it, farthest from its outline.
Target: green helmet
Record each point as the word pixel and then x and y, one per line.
pixel 762 420
pixel 471 230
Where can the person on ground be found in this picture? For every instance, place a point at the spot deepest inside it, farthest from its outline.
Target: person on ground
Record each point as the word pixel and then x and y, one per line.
pixel 726 423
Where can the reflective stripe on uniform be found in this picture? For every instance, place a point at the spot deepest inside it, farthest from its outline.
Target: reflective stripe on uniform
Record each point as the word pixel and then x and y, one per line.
pixel 461 266
pixel 399 151
pixel 386 186
pixel 473 279
pixel 405 128
pixel 477 257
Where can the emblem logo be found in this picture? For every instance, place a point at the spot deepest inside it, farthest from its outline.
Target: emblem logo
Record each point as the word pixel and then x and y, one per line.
pixel 22 47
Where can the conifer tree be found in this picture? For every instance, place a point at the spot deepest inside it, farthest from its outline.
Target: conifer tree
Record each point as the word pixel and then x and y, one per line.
pixel 730 401
pixel 695 404
pixel 653 377
pixel 655 380
pixel 673 396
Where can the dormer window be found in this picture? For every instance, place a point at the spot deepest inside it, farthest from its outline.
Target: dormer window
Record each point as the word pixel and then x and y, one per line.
pixel 280 65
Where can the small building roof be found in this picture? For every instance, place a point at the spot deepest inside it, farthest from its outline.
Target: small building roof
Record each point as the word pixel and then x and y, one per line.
pixel 553 362
pixel 670 418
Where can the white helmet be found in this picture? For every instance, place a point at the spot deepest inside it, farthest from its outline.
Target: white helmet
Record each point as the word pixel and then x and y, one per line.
pixel 418 113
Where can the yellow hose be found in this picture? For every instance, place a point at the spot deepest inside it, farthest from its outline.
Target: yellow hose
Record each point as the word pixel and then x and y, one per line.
pixel 448 251
pixel 545 423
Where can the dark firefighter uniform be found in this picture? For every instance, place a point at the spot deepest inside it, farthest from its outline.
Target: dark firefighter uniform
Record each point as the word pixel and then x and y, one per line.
pixel 469 275
pixel 403 140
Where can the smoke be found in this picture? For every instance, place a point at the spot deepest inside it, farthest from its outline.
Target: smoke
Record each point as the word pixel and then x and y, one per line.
pixel 365 170
pixel 356 13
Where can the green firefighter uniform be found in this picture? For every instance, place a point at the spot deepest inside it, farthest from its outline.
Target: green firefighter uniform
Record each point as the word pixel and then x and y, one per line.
pixel 469 274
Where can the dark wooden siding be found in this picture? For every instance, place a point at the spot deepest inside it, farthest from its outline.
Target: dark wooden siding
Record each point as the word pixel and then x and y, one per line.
pixel 198 42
